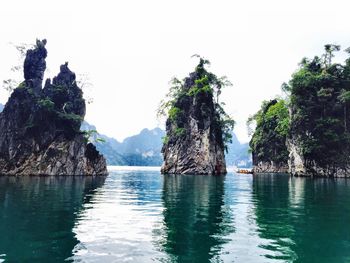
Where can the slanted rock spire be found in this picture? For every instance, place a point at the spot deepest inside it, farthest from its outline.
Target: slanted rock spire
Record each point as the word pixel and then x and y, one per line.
pixel 35 65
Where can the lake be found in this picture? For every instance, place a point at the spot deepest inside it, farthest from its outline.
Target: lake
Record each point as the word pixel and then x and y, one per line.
pixel 138 215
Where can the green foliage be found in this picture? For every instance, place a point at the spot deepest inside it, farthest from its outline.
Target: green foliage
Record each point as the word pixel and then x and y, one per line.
pixel 47 104
pixel 72 121
pixel 272 127
pixel 329 53
pixel 320 96
pixel 165 139
pixel 88 134
pixel 180 132
pixel 91 136
pixel 226 124
pixel 30 91
pixel 344 96
pixel 207 89
pixel 70 117
pixel 175 92
pixel 193 91
pixel 174 113
pixel 29 125
pixel 205 86
pixel 21 85
pixel 279 113
pixel 100 140
pixel 201 85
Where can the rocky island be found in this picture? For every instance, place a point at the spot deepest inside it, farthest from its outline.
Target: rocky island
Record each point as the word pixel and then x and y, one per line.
pixel 40 127
pixel 268 143
pixel 197 127
pixel 313 138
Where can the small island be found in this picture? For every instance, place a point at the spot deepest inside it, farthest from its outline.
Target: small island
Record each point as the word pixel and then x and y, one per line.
pixel 40 127
pixel 307 132
pixel 197 127
pixel 268 143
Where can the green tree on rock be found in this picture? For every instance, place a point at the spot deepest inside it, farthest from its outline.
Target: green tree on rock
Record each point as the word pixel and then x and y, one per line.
pixel 320 93
pixel 200 82
pixel 268 142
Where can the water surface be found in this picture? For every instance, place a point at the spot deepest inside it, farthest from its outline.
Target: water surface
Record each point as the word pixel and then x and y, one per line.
pixel 142 216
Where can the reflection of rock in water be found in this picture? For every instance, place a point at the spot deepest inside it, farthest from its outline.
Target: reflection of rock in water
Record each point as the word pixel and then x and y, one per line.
pixel 195 219
pixel 271 198
pixel 321 221
pixel 38 214
pixel 304 219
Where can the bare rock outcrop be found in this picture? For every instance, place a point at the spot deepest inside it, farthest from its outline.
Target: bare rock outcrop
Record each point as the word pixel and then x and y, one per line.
pixel 299 165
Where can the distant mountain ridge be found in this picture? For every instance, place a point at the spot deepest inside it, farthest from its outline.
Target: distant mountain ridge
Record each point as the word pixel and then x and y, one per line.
pixel 144 149
pixel 238 153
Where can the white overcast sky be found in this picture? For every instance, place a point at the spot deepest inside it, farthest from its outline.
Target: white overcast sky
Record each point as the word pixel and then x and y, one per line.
pixel 131 49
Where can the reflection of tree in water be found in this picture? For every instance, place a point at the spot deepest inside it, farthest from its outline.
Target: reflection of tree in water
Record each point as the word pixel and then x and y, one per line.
pixel 271 199
pixel 321 227
pixel 305 219
pixel 196 220
pixel 38 214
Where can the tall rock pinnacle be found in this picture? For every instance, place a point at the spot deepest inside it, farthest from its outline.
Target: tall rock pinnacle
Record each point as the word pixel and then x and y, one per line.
pixel 40 128
pixel 35 65
pixel 194 141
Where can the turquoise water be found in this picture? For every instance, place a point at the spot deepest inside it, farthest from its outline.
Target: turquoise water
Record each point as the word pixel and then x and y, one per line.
pixel 142 216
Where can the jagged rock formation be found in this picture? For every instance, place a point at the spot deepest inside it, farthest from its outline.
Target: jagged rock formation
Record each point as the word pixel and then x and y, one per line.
pixel 39 128
pixel 194 142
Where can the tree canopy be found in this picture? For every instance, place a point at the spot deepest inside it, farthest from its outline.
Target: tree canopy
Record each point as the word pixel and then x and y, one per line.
pixel 320 95
pixel 268 142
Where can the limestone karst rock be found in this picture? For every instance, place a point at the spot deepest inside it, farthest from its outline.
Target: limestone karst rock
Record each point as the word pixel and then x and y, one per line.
pixel 35 66
pixel 194 143
pixel 268 143
pixel 39 128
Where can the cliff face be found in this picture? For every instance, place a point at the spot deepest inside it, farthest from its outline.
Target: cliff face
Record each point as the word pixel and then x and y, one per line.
pixel 300 164
pixel 269 167
pixel 39 128
pixel 319 138
pixel 193 142
pixel 296 161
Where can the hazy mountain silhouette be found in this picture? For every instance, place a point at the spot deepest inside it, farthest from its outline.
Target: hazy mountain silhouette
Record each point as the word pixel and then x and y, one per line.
pixel 144 149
